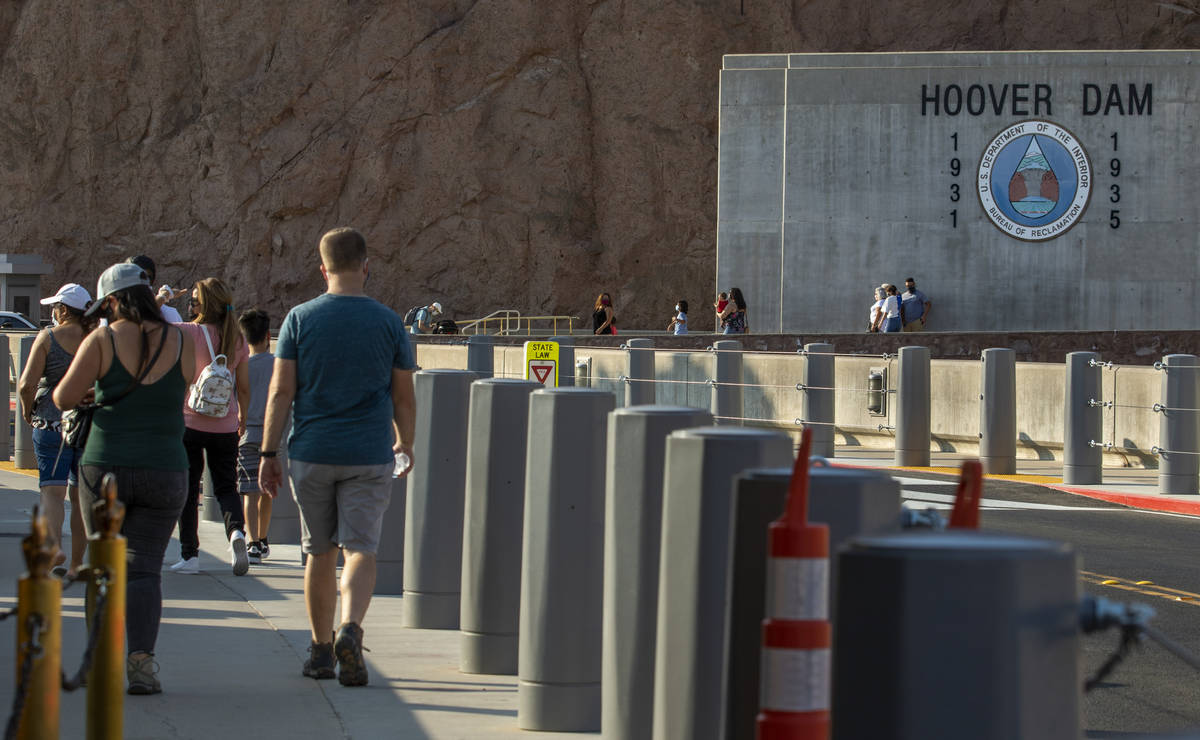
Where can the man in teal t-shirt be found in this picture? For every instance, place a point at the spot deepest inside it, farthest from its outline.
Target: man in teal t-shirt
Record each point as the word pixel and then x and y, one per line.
pixel 343 366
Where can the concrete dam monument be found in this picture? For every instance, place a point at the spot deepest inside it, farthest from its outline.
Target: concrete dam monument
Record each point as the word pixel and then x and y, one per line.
pixel 1022 190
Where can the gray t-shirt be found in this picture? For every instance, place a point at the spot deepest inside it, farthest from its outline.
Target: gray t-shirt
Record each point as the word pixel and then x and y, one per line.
pixel 259 368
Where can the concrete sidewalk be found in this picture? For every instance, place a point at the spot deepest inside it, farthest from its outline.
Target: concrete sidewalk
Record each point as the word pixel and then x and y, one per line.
pixel 231 648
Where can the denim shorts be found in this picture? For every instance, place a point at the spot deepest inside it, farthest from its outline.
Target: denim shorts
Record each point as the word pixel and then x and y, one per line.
pixel 46 446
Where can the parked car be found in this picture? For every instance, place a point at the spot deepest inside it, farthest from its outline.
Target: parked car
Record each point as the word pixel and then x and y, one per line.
pixel 10 320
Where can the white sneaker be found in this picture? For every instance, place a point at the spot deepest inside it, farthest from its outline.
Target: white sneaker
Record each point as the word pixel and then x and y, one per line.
pixel 189 567
pixel 240 562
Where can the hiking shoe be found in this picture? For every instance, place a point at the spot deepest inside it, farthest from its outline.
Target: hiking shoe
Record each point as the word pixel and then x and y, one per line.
pixel 239 561
pixel 264 547
pixel 320 661
pixel 141 672
pixel 254 553
pixel 352 669
pixel 188 567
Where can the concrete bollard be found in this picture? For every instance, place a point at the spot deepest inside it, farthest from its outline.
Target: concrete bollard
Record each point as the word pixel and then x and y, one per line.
pixel 819 401
pixel 639 383
pixel 480 354
pixel 389 559
pixel 852 502
pixel 566 360
pixel 912 408
pixel 637 442
pixel 998 412
pixel 726 404
pixel 285 514
pixel 1082 421
pixel 433 517
pixel 493 523
pixel 1179 426
pixel 562 563
pixel 23 455
pixel 689 658
pixel 5 420
pixel 956 634
pixel 210 508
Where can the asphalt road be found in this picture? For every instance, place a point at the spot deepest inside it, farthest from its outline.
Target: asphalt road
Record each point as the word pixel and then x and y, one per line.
pixel 1151 691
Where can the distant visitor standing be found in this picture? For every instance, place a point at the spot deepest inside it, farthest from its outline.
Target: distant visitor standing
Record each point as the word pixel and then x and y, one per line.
pixel 915 306
pixel 734 319
pixel 889 317
pixel 877 309
pixel 604 321
pixel 679 323
pixel 422 322
pixel 344 368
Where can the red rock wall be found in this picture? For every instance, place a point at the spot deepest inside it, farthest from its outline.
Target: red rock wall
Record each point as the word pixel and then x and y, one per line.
pixel 497 153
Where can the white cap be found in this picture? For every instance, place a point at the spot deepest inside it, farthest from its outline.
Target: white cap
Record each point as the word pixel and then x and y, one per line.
pixel 436 307
pixel 118 277
pixel 72 295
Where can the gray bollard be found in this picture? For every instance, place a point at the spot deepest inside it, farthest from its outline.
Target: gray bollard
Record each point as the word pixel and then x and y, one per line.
pixel 818 396
pixel 480 354
pixel 852 502
pixel 639 383
pixel 637 444
pixel 433 517
pixel 566 360
pixel 956 635
pixel 493 523
pixel 210 508
pixel 389 559
pixel 1082 421
pixel 5 419
pixel 912 408
pixel 23 454
pixel 689 659
pixel 727 369
pixel 998 412
pixel 562 564
pixel 285 515
pixel 1178 432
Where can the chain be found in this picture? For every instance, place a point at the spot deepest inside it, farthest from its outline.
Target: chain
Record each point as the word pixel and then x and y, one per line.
pixel 7 613
pixel 33 649
pixel 1129 638
pixel 101 578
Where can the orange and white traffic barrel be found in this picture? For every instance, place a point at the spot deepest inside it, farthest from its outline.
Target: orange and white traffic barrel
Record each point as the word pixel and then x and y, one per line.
pixel 797 646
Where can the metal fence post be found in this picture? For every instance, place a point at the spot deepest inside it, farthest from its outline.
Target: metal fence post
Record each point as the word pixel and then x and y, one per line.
pixel 39 611
pixel 639 384
pixel 912 408
pixel 1179 427
pixel 433 517
pixel 6 386
pixel 689 660
pixel 566 360
pixel 493 524
pixel 998 412
pixel 480 354
pixel 637 442
pixel 23 455
pixel 819 402
pixel 562 561
pixel 1082 421
pixel 727 378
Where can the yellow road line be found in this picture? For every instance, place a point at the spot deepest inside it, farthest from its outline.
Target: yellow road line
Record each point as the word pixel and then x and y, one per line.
pixel 1146 588
pixel 1019 478
pixel 12 468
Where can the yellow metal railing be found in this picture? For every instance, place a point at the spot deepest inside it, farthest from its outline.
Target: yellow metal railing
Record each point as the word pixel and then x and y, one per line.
pixel 510 322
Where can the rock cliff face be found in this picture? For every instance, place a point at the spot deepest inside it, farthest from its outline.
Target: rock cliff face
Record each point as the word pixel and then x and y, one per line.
pixel 496 153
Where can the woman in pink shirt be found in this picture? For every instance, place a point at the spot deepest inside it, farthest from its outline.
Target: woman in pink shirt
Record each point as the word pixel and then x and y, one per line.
pixel 215 437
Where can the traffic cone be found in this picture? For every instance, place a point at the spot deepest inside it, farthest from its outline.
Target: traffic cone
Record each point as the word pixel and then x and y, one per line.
pixel 965 514
pixel 796 653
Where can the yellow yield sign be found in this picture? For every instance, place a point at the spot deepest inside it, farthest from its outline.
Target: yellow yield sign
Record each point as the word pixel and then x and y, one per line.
pixel 541 363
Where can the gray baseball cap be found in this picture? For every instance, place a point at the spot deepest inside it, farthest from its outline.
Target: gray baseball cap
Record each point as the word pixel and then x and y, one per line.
pixel 118 277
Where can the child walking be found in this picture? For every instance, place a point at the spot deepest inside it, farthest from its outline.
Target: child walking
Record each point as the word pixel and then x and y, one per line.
pixel 256 328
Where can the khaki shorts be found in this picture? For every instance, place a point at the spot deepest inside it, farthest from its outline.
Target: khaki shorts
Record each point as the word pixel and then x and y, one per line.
pixel 917 325
pixel 340 505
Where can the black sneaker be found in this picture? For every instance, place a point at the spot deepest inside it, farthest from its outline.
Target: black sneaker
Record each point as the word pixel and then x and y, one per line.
pixel 320 661
pixel 254 553
pixel 352 669
pixel 264 548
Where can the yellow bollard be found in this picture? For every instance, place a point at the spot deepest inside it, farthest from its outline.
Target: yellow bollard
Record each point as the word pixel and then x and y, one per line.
pixel 39 604
pixel 106 555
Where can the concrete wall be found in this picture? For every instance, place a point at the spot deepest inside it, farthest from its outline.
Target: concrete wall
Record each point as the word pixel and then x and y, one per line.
pixel 771 398
pixel 841 171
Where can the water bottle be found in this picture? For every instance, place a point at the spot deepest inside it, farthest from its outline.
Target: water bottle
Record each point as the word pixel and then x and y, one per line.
pixel 402 463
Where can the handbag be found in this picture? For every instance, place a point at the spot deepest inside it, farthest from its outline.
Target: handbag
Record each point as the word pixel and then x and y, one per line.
pixel 77 422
